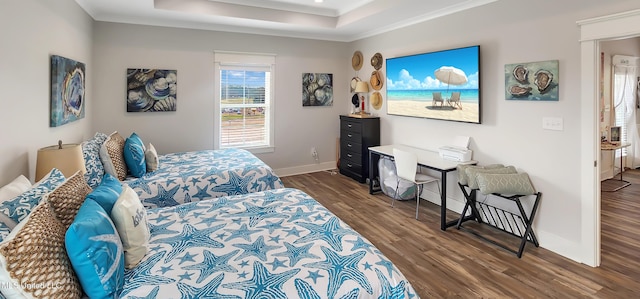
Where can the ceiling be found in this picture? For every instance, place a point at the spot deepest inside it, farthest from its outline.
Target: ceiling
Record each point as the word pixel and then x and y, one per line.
pixel 338 20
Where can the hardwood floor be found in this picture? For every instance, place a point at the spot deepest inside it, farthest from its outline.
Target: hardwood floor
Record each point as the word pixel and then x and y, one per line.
pixel 456 264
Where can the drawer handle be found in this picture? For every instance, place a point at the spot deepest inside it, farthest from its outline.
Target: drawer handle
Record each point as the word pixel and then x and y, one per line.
pixel 349 145
pixel 349 165
pixel 349 155
pixel 349 135
pixel 349 125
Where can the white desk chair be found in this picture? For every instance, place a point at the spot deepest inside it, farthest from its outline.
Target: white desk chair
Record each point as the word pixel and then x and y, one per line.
pixel 406 163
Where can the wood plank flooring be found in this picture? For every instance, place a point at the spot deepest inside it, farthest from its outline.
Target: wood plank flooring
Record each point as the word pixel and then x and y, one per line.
pixel 456 264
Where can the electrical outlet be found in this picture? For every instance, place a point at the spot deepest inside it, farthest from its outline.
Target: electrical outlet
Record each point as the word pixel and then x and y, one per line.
pixel 314 153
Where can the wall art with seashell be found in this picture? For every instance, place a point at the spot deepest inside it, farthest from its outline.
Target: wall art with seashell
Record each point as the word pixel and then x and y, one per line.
pixel 151 90
pixel 317 89
pixel 532 81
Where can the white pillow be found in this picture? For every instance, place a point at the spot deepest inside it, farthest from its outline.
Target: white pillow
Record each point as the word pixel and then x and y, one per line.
pixel 10 191
pixel 151 156
pixel 130 218
pixel 18 186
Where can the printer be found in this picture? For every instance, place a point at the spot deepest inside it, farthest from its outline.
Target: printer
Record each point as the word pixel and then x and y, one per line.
pixel 458 151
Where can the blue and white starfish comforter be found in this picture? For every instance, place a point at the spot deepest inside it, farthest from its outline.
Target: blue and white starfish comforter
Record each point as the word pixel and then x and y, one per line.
pixel 273 244
pixel 194 176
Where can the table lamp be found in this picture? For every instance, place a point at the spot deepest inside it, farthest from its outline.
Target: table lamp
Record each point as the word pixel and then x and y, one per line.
pixel 362 87
pixel 65 157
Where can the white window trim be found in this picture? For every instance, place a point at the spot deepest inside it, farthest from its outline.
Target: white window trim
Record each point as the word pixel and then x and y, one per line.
pixel 245 59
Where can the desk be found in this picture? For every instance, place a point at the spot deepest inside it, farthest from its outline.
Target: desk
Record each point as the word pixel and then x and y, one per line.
pixel 426 158
pixel 614 147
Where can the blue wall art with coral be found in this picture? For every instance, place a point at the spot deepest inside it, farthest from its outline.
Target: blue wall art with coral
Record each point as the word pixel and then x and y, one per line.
pixel 67 90
pixel 150 90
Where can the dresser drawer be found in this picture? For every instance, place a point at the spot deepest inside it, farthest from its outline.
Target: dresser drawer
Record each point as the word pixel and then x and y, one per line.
pixel 351 166
pixel 349 146
pixel 351 156
pixel 351 126
pixel 351 136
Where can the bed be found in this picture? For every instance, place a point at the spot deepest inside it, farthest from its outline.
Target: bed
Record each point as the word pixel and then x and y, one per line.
pixel 277 243
pixel 194 176
pixel 180 177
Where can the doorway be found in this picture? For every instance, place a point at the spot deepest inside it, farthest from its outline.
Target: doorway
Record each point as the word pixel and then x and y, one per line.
pixel 592 32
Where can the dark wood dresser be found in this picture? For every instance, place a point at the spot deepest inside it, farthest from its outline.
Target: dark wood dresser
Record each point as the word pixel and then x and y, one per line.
pixel 356 136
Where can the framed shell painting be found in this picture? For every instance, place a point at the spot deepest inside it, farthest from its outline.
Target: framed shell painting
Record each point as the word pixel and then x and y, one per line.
pixel 532 81
pixel 67 90
pixel 317 89
pixel 151 90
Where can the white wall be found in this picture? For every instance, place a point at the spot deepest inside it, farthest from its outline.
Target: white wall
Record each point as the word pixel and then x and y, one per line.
pixel 511 131
pixel 32 30
pixel 190 52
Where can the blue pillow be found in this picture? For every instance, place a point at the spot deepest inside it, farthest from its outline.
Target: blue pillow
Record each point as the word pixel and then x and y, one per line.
pixel 134 156
pixel 19 207
pixel 95 251
pixel 107 193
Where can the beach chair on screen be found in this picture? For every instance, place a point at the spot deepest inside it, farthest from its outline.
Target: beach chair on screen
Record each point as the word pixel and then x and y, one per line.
pixel 437 97
pixel 454 101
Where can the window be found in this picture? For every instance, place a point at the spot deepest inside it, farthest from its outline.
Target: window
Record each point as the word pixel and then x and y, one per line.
pixel 244 101
pixel 624 101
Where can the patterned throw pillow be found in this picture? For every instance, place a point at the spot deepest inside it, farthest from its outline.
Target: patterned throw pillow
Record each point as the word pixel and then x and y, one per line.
pixel 92 162
pixel 472 174
pixel 8 192
pixel 95 251
pixel 462 174
pixel 19 207
pixel 130 218
pixel 34 261
pixel 15 188
pixel 68 197
pixel 4 231
pixel 151 156
pixel 134 155
pixel 511 184
pixel 112 155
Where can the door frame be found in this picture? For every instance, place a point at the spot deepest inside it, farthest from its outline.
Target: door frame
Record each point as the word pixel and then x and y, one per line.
pixel 592 31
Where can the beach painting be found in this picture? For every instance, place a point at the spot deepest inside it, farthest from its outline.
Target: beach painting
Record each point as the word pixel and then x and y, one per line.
pixel 441 85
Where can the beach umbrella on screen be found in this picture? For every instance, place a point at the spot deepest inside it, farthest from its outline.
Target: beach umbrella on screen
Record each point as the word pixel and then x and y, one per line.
pixel 450 76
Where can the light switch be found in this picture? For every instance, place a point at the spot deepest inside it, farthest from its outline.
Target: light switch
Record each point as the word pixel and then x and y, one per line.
pixel 552 123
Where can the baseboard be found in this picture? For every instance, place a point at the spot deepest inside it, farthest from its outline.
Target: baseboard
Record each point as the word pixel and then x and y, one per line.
pixel 562 246
pixel 283 172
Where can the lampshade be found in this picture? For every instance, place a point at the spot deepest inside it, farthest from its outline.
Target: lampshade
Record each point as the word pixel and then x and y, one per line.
pixel 65 157
pixel 362 86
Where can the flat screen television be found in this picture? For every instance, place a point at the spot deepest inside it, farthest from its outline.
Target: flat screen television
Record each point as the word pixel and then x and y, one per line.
pixel 438 85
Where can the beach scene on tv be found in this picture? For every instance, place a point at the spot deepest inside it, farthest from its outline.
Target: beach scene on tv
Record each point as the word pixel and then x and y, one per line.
pixel 440 85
